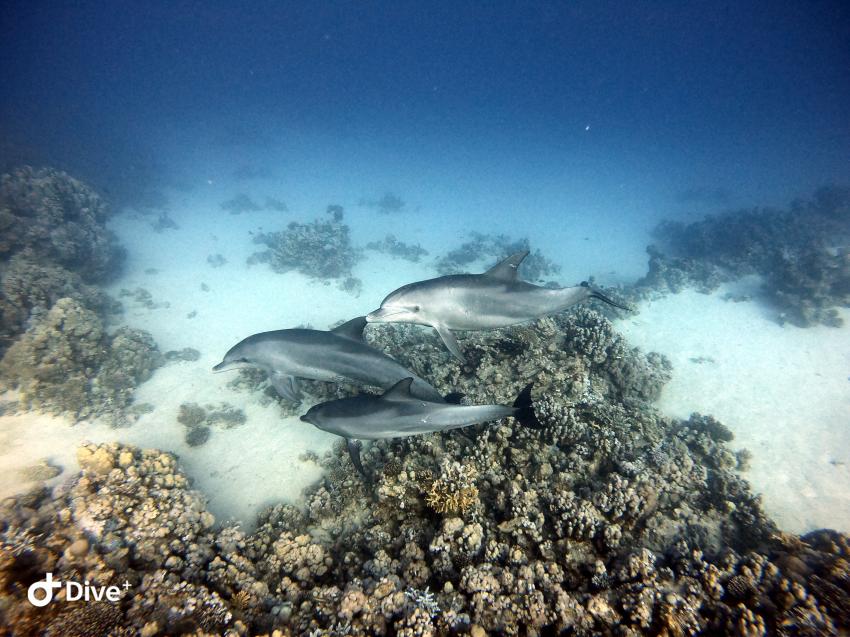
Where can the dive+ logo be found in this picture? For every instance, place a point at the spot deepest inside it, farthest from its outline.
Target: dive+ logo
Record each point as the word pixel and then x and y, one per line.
pixel 41 593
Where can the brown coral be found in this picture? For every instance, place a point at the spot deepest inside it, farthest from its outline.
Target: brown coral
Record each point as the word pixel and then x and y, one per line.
pixel 454 490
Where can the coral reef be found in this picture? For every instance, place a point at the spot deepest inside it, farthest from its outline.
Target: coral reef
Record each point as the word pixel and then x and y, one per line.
pixel 454 490
pixel 320 249
pixel 801 254
pixel 164 222
pixel 29 288
pixel 59 219
pixel 399 249
pixel 610 519
pixel 243 203
pixel 143 298
pixel 489 250
pixel 66 363
pixel 200 420
pixel 53 244
pixel 388 204
pixel 216 260
pixel 239 204
pixel 186 354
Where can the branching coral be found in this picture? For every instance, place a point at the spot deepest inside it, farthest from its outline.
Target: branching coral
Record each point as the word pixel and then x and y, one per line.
pixel 454 491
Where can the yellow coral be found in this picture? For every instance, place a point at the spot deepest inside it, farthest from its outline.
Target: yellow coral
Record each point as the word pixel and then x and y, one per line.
pixel 454 491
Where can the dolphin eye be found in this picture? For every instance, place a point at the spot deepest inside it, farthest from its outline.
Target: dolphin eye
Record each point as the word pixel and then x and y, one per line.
pixel 415 308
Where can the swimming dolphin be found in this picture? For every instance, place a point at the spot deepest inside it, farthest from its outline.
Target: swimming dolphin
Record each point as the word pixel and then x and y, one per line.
pixel 338 355
pixel 397 414
pixel 496 298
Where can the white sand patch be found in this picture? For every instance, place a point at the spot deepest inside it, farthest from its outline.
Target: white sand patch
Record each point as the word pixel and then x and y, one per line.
pixel 783 391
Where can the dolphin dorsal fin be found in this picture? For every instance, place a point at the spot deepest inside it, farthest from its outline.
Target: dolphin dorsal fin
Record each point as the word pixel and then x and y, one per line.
pixel 399 391
pixel 506 270
pixel 352 329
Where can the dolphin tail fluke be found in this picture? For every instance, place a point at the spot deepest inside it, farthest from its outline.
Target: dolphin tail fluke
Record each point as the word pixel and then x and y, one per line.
pixel 525 409
pixel 596 294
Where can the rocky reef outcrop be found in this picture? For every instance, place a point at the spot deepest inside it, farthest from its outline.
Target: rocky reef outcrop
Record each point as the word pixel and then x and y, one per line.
pixel 320 249
pixel 53 244
pixel 800 253
pixel 66 363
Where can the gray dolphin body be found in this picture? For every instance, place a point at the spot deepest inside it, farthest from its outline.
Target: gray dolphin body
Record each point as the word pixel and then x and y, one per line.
pixel 494 299
pixel 338 355
pixel 397 414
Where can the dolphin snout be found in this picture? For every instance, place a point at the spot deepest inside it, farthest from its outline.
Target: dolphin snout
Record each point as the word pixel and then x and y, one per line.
pixel 381 314
pixel 225 366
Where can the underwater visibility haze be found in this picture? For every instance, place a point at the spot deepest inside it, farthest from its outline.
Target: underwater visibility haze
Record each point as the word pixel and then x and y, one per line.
pixel 397 318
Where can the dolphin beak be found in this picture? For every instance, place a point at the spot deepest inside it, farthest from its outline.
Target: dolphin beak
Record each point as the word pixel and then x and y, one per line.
pixel 381 315
pixel 304 418
pixel 221 367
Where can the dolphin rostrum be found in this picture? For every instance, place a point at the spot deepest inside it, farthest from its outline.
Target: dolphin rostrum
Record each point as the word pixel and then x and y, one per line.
pixel 496 298
pixel 338 355
pixel 397 414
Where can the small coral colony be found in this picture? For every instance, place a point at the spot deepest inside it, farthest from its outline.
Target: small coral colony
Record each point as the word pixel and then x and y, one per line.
pixel 520 479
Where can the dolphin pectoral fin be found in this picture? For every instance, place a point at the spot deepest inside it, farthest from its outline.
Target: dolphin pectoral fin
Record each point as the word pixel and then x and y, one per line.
pixel 450 342
pixel 354 453
pixel 286 386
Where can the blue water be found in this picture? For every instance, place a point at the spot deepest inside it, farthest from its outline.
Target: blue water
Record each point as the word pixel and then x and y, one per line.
pixel 545 112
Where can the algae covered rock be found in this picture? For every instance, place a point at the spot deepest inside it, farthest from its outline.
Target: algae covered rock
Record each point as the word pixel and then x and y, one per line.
pixel 66 363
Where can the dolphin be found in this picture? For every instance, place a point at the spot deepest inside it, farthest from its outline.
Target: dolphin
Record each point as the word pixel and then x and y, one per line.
pixel 496 298
pixel 338 355
pixel 397 413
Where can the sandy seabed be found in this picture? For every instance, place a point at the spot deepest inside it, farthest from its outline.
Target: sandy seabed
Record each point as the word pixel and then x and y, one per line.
pixel 783 391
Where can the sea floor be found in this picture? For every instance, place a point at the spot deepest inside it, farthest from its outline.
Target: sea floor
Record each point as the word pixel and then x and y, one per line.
pixel 783 391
